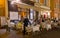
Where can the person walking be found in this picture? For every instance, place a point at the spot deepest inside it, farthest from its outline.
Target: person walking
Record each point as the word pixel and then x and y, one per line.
pixel 26 22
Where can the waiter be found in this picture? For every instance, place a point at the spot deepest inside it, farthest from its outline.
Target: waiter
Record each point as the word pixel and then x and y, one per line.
pixel 26 21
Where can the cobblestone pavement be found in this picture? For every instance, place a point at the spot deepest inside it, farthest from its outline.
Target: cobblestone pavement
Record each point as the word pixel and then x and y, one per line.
pixel 55 33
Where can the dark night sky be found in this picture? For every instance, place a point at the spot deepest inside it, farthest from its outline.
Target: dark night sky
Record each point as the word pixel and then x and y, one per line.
pixel 12 7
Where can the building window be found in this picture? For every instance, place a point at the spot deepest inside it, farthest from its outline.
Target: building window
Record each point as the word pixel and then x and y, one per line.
pixel 45 2
pixel 57 5
pixel 31 0
pixel 37 1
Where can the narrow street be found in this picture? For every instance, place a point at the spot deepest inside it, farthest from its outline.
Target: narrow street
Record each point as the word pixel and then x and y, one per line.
pixel 29 18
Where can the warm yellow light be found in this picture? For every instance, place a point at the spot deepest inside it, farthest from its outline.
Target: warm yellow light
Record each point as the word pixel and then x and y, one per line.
pixel 2 3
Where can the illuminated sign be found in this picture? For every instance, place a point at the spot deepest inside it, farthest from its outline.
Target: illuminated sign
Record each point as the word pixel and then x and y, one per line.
pixel 31 13
pixel 14 15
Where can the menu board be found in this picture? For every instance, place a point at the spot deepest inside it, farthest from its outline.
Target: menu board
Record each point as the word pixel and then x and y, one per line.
pixel 3 21
pixel 13 15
